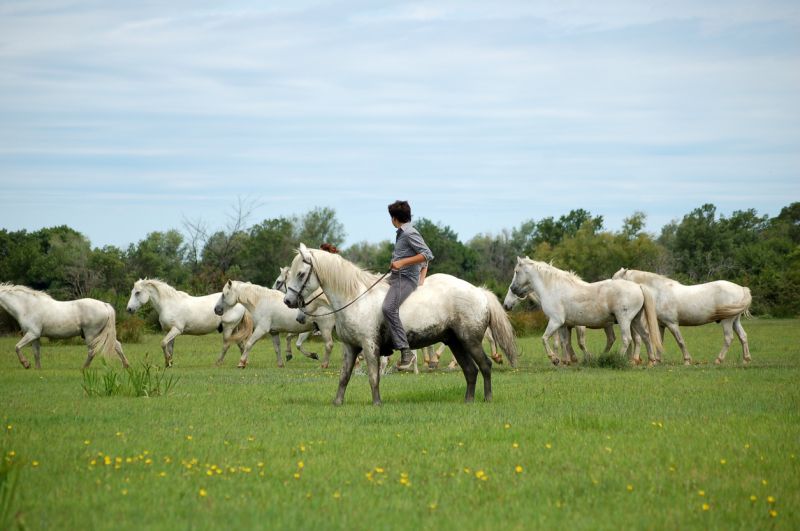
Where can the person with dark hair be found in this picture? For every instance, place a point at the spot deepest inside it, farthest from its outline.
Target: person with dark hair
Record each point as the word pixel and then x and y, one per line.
pixel 409 267
pixel 331 248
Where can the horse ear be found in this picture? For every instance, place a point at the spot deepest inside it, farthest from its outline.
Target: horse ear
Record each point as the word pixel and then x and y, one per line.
pixel 304 252
pixel 519 260
pixel 229 283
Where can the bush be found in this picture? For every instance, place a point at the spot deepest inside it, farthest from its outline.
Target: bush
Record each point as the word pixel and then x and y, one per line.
pixel 526 323
pixel 130 329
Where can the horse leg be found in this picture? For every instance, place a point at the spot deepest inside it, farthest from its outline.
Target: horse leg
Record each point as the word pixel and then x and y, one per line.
pixel 552 328
pixel 257 334
pixel 276 342
pixel 348 362
pixel 625 332
pixel 302 337
pixel 573 358
pixel 727 336
pixel 29 337
pixel 640 327
pixel 373 371
pixel 495 355
pixel 580 331
pixel 289 354
pixel 468 367
pixel 485 366
pixel 121 354
pixel 635 348
pixel 225 346
pixel 676 333
pixel 564 334
pixel 610 338
pixel 327 336
pixel 37 356
pixel 739 329
pixel 167 344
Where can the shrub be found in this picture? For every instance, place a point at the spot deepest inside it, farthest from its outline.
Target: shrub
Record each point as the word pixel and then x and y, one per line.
pixel 526 323
pixel 130 329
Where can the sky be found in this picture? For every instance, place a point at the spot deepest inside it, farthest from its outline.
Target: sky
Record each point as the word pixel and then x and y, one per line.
pixel 122 118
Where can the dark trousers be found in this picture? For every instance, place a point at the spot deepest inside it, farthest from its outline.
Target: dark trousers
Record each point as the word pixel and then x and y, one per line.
pixel 400 288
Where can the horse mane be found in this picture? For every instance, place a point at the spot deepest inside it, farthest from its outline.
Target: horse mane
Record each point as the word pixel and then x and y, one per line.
pixel 162 287
pixel 340 274
pixel 649 274
pixel 551 271
pixel 8 286
pixel 249 293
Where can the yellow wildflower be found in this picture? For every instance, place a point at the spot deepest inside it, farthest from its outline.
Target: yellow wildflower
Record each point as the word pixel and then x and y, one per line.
pixel 773 513
pixel 706 507
pixel 518 469
pixel 770 500
pixel 203 493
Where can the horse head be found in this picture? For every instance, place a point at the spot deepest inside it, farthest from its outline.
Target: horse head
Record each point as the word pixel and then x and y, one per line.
pixel 301 281
pixel 140 296
pixel 280 282
pixel 227 299
pixel 620 274
pixel 521 284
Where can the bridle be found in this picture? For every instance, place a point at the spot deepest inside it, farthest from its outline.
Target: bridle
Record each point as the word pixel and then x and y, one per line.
pixel 303 303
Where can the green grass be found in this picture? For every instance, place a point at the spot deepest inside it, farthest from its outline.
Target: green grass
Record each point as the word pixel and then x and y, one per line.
pixel 598 448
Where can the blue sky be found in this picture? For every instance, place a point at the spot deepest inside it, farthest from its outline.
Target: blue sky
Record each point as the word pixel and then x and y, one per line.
pixel 120 118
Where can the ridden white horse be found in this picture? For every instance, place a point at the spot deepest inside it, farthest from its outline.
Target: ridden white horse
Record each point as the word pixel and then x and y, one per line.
pixel 181 313
pixel 445 309
pixel 563 341
pixel 568 300
pixel 270 316
pixel 318 305
pixel 677 304
pixel 39 315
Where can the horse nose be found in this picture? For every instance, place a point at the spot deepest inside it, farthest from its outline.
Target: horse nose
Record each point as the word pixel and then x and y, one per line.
pixel 218 310
pixel 130 310
pixel 506 306
pixel 288 302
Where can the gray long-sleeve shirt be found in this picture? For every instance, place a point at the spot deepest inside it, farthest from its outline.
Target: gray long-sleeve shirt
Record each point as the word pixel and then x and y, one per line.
pixel 410 243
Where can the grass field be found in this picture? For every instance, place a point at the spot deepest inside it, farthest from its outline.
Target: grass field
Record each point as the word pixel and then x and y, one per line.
pixel 670 447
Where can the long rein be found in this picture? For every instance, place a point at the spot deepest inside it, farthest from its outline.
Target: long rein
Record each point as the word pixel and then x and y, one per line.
pixel 305 303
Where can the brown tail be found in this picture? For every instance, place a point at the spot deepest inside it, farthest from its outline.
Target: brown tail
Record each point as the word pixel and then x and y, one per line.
pixel 732 310
pixel 501 328
pixel 652 319
pixel 104 342
pixel 243 330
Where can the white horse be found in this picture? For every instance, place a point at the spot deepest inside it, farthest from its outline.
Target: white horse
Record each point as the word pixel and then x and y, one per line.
pixel 181 313
pixel 270 316
pixel 318 305
pixel 567 300
pixel 678 304
pixel 563 341
pixel 39 315
pixel 444 309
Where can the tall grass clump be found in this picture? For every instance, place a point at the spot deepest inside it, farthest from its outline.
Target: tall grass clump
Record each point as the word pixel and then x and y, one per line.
pixel 609 360
pixel 145 380
pixel 10 515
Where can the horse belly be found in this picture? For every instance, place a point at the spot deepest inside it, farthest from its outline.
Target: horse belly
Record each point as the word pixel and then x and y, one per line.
pixel 60 329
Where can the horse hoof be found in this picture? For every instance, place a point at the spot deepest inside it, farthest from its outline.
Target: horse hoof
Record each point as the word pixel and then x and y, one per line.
pixel 637 361
pixel 313 356
pixel 288 358
pixel 432 365
pixel 323 365
pixel 242 365
pixel 717 361
pixel 687 362
pixel 497 358
pixel 280 365
pixel 555 361
pixel 26 364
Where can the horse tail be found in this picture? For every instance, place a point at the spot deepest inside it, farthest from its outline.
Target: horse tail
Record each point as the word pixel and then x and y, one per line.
pixel 727 311
pixel 244 329
pixel 500 326
pixel 652 319
pixel 105 342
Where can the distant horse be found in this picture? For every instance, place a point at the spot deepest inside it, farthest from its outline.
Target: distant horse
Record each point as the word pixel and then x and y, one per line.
pixel 270 316
pixel 567 300
pixel 678 304
pixel 563 341
pixel 39 315
pixel 181 313
pixel 318 305
pixel 444 309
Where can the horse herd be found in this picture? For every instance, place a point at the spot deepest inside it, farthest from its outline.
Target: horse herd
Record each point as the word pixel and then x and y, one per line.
pixel 321 291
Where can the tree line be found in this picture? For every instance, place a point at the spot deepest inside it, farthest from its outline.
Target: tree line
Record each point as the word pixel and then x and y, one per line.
pixel 754 250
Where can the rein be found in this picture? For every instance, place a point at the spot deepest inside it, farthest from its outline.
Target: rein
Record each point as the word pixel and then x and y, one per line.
pixel 304 303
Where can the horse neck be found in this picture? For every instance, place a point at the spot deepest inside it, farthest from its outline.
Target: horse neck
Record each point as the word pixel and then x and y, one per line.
pixel 157 296
pixel 10 302
pixel 341 291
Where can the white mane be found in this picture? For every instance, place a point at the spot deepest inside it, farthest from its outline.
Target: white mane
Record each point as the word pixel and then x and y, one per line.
pixel 8 286
pixel 553 272
pixel 162 287
pixel 250 294
pixel 342 276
